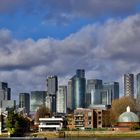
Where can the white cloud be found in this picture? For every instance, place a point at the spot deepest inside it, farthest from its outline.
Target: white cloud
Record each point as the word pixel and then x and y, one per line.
pixel 106 51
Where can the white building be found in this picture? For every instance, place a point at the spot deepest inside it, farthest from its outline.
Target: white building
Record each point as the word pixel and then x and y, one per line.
pixel 62 99
pixel 50 124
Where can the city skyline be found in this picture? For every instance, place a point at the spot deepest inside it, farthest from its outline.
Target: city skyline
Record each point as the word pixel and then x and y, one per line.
pixel 39 39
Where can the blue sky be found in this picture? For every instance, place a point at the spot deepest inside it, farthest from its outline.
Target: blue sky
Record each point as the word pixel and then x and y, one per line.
pixel 45 37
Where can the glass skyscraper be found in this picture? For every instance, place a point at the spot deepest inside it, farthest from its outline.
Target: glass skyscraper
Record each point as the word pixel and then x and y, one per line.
pixel 24 102
pixel 79 83
pixel 37 99
pixel 69 95
pixel 111 90
pixel 94 87
pixel 138 87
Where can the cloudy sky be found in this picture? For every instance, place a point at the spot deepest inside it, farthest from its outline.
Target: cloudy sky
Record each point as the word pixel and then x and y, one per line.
pixel 47 37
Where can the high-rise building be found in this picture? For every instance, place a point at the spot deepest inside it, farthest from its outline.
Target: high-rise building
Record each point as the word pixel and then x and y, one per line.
pixel 24 102
pixel 37 99
pixel 5 92
pixel 138 87
pixel 110 92
pixel 62 99
pixel 94 88
pixel 79 83
pixel 129 85
pixel 69 95
pixel 52 87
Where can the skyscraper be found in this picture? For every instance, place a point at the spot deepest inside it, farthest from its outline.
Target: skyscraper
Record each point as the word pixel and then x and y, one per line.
pixel 138 87
pixel 24 102
pixel 110 92
pixel 129 85
pixel 37 99
pixel 62 99
pixel 94 87
pixel 69 95
pixel 52 87
pixel 5 92
pixel 79 83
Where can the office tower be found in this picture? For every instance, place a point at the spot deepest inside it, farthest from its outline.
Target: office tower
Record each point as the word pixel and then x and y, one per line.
pixel 93 92
pixel 79 83
pixel 80 73
pixel 138 87
pixel 129 85
pixel 52 84
pixel 110 92
pixel 62 99
pixel 52 87
pixel 24 102
pixel 5 92
pixel 37 99
pixel 69 95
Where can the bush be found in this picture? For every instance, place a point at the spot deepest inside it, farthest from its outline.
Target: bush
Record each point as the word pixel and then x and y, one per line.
pixel 135 127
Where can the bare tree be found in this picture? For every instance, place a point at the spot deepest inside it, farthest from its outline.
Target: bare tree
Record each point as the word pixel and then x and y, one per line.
pixel 42 112
pixel 119 106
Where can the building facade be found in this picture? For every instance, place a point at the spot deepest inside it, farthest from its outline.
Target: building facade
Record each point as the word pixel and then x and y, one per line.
pixel 110 92
pixel 62 99
pixel 5 91
pixel 69 95
pixel 52 85
pixel 138 87
pixel 129 84
pixel 79 89
pixel 24 102
pixel 52 88
pixel 94 88
pixel 85 118
pixel 37 99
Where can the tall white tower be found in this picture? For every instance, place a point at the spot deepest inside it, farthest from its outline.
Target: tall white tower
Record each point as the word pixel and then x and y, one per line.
pixel 62 99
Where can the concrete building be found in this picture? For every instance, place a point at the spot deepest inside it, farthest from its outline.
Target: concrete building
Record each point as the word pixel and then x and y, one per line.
pixel 24 102
pixel 129 85
pixel 50 124
pixel 62 99
pixel 37 99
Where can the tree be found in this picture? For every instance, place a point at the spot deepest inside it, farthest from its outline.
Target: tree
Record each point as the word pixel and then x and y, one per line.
pixel 16 124
pixel 119 106
pixel 42 112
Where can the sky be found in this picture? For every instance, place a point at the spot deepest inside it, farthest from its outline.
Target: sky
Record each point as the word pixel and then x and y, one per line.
pixel 51 37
